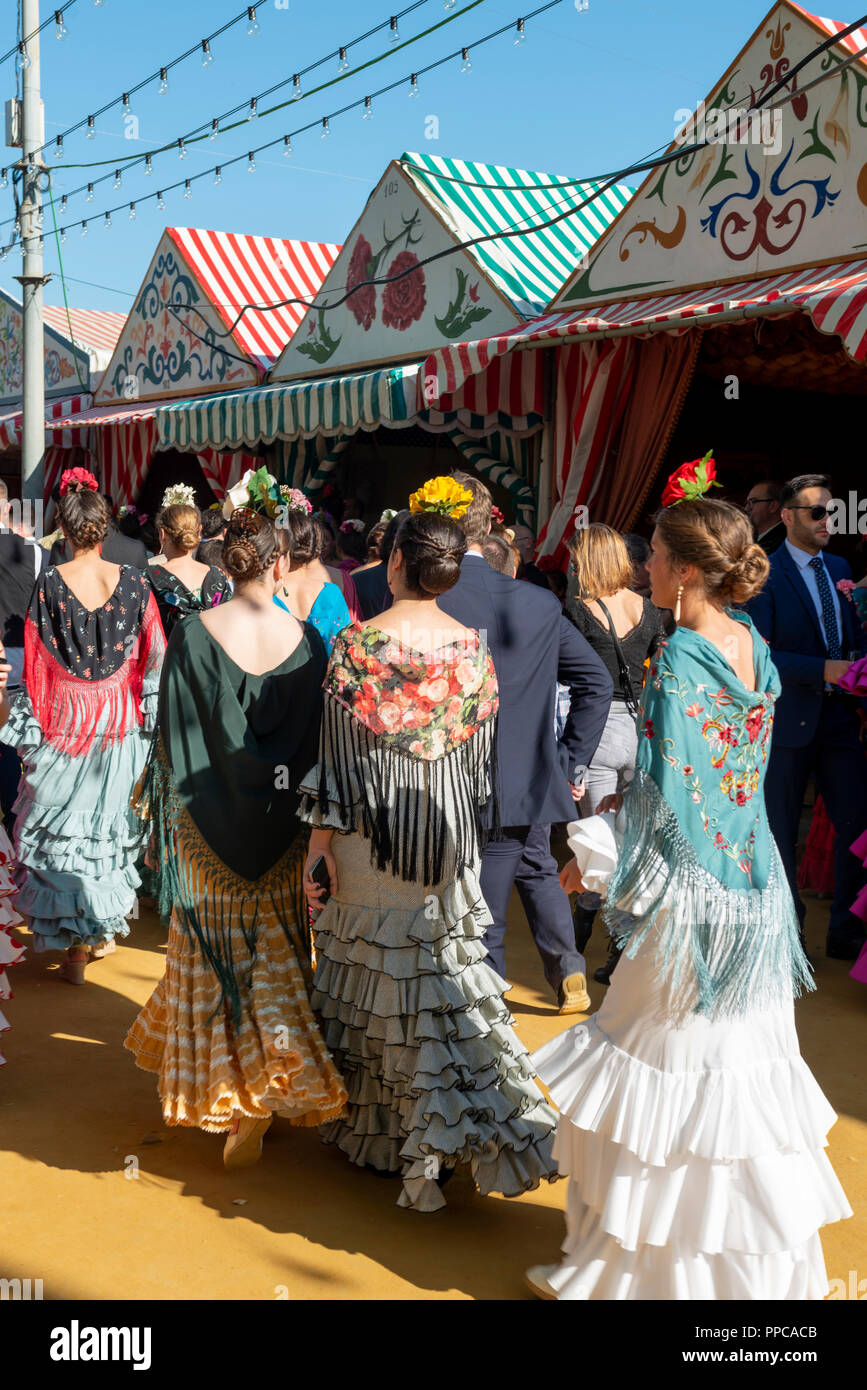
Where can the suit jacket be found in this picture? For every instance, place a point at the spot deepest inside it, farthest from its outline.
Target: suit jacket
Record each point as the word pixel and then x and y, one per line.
pixel 533 647
pixel 786 617
pixel 118 549
pixel 773 539
pixel 371 586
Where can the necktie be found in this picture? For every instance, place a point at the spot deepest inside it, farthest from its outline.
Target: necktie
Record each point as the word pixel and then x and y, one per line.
pixel 829 614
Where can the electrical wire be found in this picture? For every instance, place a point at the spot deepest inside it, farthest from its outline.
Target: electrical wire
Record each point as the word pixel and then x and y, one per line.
pixel 197 48
pixel 61 9
pixel 82 383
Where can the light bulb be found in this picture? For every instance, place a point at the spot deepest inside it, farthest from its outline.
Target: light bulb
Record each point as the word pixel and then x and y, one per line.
pixel 63 236
pixel 164 82
pixel 521 35
pixel 182 149
pixel 368 109
pixel 63 204
pixel 99 3
pixel 4 179
pixel 58 147
pixel 296 87
pixel 84 229
pixel 107 222
pixel 287 147
pixel 252 21
pixel 251 166
pixel 254 109
pixel 161 202
pixel 413 88
pixel 449 4
pixel 118 181
pixel 22 60
pixel 343 65
pixel 466 65
pixel 207 55
pixel 60 30
pixel 218 176
pixel 325 129
pixel 4 253
pixel 188 192
pixel 394 36
pixel 132 213
pixel 215 129
pixel 89 198
pixel 149 168
pixel 126 109
pixel 91 128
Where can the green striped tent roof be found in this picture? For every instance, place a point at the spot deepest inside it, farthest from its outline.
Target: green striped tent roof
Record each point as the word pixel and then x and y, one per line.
pixel 530 269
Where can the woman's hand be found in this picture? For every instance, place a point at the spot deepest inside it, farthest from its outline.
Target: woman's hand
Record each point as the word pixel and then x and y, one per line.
pixel 610 803
pixel 320 846
pixel 577 791
pixel 570 878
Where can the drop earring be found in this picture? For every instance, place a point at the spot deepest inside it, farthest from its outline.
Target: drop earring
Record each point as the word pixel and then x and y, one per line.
pixel 677 605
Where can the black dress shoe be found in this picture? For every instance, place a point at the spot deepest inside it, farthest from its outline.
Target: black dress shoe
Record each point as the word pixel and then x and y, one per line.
pixel 843 947
pixel 604 973
pixel 582 920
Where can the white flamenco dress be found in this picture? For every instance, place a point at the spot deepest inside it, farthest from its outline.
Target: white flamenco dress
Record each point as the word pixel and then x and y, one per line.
pixel 694 1147
pixel 11 950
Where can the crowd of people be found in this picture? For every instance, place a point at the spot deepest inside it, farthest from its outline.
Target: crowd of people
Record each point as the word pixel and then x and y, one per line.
pixel 331 750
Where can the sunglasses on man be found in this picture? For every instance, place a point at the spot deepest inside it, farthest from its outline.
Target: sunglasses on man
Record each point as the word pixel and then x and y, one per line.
pixel 817 513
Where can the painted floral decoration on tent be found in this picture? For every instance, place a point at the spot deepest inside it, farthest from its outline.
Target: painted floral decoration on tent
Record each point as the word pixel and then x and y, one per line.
pixel 77 480
pixel 691 480
pixel 179 495
pixel 442 496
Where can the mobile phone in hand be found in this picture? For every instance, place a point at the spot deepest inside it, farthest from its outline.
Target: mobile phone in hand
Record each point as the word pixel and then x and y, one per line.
pixel 321 877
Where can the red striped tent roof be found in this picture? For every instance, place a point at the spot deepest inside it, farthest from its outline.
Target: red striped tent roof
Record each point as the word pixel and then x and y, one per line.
pixel 97 329
pixel 235 270
pixel 855 41
pixel 835 297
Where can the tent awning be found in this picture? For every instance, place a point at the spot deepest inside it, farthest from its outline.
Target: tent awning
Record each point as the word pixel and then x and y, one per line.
pixel 834 296
pixel 57 432
pixel 333 406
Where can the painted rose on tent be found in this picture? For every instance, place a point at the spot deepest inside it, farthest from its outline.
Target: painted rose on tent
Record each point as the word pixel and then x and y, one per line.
pixel 403 300
pixel 362 301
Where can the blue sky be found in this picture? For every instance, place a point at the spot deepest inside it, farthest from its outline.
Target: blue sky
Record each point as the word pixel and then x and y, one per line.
pixel 588 91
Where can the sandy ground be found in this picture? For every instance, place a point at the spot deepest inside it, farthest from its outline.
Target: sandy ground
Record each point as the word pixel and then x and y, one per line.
pixel 77 1118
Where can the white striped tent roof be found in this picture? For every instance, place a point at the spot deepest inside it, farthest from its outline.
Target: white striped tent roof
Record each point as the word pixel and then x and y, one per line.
pixel 97 330
pixel 477 199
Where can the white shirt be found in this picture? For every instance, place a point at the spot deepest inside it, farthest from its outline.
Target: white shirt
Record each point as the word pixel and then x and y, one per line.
pixel 802 559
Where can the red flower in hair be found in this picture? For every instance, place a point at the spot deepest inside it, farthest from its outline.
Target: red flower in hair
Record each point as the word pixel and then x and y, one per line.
pixel 691 480
pixel 78 480
pixel 497 516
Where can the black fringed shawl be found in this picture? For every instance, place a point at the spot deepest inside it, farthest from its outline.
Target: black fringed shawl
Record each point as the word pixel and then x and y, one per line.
pixel 406 753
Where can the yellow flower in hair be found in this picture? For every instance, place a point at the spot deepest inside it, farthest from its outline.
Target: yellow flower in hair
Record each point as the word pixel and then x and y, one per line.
pixel 443 496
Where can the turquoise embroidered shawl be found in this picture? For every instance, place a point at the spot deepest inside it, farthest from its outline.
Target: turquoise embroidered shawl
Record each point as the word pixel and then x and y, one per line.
pixel 696 840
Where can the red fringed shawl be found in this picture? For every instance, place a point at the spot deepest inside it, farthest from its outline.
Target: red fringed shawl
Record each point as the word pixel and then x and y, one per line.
pixel 69 707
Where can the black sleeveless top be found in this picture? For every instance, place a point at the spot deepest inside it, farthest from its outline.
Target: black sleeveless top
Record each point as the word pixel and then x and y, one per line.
pixel 638 644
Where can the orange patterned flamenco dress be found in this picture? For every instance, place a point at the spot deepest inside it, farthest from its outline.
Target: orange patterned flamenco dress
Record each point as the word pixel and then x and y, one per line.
pixel 229 1030
pixel 11 950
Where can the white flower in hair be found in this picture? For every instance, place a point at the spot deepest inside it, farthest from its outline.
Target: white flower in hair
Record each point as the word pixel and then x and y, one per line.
pixel 179 495
pixel 239 495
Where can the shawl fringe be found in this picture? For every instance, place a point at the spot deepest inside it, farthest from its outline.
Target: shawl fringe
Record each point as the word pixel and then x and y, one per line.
pixel 421 815
pixel 209 898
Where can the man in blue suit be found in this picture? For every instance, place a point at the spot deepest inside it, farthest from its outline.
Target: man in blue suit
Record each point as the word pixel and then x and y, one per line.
pixel 814 633
pixel 533 647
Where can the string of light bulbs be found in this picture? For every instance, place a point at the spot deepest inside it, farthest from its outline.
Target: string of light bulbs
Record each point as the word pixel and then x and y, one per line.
pixel 184 143
pixel 19 50
pixel 203 47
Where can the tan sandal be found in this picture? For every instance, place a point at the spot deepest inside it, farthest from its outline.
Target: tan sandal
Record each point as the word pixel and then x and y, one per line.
pixel 243 1146
pixel 73 966
pixel 105 948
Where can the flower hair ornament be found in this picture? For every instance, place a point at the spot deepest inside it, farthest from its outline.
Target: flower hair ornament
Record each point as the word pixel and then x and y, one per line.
pixel 691 480
pixel 443 497
pixel 295 501
pixel 77 480
pixel 260 491
pixel 179 495
pixel 352 524
pixel 130 509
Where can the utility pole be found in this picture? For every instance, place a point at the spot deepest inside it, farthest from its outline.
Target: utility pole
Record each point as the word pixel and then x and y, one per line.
pixel 32 278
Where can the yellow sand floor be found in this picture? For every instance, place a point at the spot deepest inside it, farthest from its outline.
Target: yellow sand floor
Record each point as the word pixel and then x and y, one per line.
pixel 77 1118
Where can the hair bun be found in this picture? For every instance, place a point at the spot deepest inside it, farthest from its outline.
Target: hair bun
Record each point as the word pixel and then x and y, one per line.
pixel 241 558
pixel 437 573
pixel 746 575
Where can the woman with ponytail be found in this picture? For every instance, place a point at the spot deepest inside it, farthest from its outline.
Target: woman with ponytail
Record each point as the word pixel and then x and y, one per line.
pixel 409 1005
pixel 93 649
pixel 229 1030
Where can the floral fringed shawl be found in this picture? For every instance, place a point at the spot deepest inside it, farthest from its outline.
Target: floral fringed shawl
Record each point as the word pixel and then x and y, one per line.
pixel 698 866
pixel 85 670
pixel 406 752
pixel 221 792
